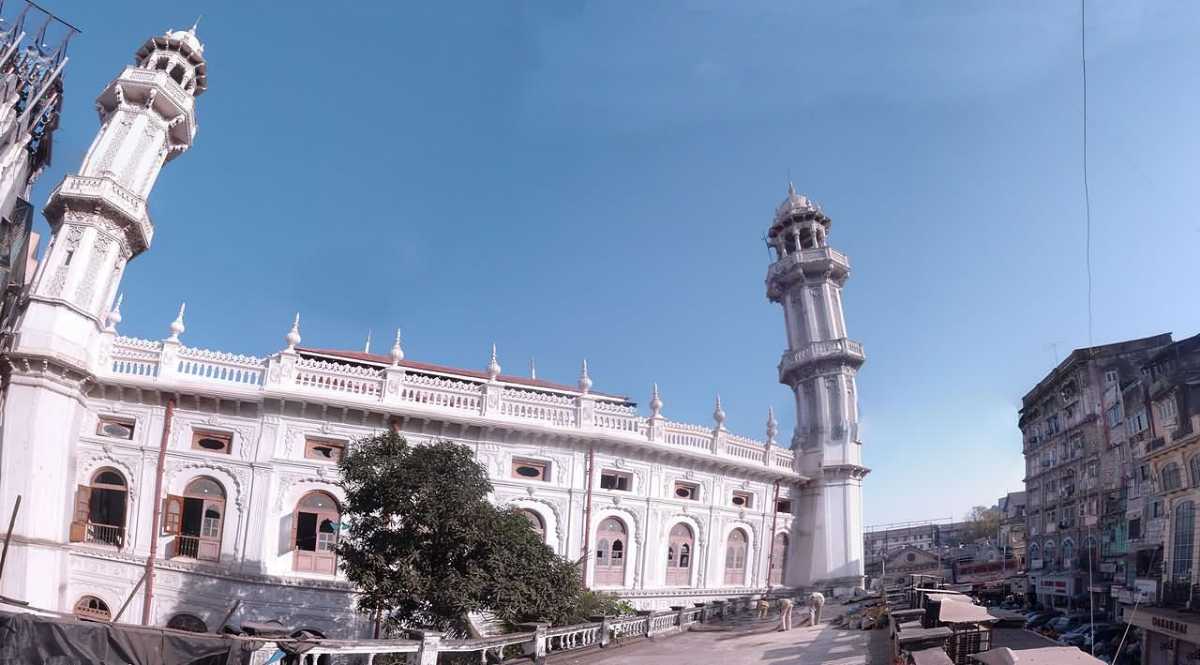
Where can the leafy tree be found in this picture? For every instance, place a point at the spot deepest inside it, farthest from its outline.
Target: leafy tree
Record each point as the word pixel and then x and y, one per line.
pixel 425 546
pixel 982 523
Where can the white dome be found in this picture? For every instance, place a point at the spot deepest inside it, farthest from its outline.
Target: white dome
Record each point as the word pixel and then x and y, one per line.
pixel 188 37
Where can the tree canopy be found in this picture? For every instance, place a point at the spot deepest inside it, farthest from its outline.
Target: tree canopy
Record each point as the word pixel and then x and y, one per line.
pixel 425 546
pixel 982 523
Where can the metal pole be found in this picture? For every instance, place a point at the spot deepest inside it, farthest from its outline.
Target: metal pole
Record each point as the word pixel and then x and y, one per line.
pixel 154 524
pixel 12 522
pixel 129 598
pixel 587 514
pixel 771 542
pixel 229 615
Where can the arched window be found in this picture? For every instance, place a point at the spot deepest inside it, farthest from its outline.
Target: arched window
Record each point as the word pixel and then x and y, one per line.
pixel 1035 552
pixel 99 515
pixel 1194 466
pixel 1183 533
pixel 1172 477
pixel 93 609
pixel 315 533
pixel 611 541
pixel 1068 553
pixel 535 522
pixel 679 556
pixel 197 517
pixel 1051 551
pixel 779 552
pixel 189 622
pixel 735 558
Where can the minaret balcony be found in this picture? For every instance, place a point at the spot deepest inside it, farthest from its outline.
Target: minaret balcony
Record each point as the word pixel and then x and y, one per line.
pixel 89 192
pixel 843 349
pixel 811 262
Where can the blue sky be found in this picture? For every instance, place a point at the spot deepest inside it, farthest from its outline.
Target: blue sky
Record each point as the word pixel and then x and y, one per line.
pixel 593 179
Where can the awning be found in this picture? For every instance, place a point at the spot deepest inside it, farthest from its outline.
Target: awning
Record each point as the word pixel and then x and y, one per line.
pixel 964 613
pixel 952 597
pixel 1041 656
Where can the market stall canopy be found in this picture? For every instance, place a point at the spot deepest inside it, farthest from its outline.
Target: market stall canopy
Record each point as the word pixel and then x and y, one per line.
pixel 953 597
pixel 1041 656
pixel 964 613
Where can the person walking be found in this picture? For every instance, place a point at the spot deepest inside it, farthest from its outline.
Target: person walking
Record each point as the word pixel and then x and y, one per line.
pixel 816 600
pixel 785 614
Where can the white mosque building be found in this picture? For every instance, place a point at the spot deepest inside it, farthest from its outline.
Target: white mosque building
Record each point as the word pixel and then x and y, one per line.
pixel 217 471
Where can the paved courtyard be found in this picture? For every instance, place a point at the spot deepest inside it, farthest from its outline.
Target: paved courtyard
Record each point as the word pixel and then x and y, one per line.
pixel 749 643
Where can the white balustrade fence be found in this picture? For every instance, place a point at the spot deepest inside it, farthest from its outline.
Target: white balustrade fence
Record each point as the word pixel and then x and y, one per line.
pixel 159 361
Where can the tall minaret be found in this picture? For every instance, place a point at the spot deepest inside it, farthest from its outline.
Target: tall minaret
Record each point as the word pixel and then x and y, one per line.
pixel 819 366
pixel 99 222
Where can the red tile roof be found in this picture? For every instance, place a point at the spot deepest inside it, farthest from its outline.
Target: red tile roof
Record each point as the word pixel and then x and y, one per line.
pixel 377 359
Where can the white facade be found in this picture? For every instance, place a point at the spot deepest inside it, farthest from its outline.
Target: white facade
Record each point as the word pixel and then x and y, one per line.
pixel 819 366
pixel 248 477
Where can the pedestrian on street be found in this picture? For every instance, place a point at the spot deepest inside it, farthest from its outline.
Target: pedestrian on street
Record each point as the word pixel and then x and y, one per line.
pixel 785 614
pixel 816 600
pixel 764 606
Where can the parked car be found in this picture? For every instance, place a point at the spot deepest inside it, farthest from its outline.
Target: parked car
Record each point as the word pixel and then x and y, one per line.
pixel 1081 635
pixel 1109 633
pixel 1064 624
pixel 1041 618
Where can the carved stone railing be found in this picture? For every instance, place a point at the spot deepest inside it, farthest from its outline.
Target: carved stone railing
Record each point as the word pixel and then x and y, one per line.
pixel 437 391
pixel 615 416
pixel 841 347
pixel 557 410
pixel 690 436
pixel 220 366
pixel 396 386
pixel 535 641
pixel 338 378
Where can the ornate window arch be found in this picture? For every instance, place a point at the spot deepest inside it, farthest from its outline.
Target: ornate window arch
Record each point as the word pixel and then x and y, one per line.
pixel 1171 477
pixel 536 522
pixel 189 622
pixel 681 553
pixel 612 552
pixel 197 518
pixel 1183 534
pixel 736 548
pixel 1050 552
pixel 315 530
pixel 101 509
pixel 1068 552
pixel 779 552
pixel 92 608
pixel 1034 551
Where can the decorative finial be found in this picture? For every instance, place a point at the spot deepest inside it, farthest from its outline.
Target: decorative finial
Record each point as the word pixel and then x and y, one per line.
pixel 656 403
pixel 196 24
pixel 293 336
pixel 493 368
pixel 791 188
pixel 367 346
pixel 114 315
pixel 177 327
pixel 719 413
pixel 772 426
pixel 397 352
pixel 532 368
pixel 585 381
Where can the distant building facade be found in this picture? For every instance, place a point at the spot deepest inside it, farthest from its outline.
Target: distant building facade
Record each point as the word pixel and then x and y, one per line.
pixel 1067 443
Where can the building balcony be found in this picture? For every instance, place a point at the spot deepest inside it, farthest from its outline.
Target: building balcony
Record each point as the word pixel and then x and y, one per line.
pixel 835 349
pixel 1180 594
pixel 104 534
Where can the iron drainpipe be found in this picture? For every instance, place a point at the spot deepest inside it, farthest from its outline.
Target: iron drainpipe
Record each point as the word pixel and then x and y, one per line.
pixel 771 541
pixel 154 527
pixel 587 512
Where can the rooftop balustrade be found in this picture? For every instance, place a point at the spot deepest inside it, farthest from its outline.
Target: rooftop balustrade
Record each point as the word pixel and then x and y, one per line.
pixel 298 376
